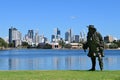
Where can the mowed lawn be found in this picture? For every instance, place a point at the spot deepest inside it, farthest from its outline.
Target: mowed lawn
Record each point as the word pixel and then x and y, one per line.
pixel 60 75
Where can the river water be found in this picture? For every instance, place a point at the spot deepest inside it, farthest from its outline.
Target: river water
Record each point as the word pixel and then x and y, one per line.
pixel 42 59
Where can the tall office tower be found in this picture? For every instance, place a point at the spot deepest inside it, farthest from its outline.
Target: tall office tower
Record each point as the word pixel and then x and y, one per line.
pixel 68 36
pixel 30 34
pixel 82 37
pixel 53 38
pixel 37 38
pixel 56 37
pixel 14 36
pixel 76 38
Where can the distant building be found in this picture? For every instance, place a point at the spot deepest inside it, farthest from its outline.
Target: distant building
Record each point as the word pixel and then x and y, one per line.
pixel 42 39
pixel 76 38
pixel 15 36
pixel 68 36
pixel 29 37
pixel 56 36
pixel 108 39
pixel 37 38
pixel 53 38
pixel 28 40
pixel 30 34
pixel 76 45
pixel 82 37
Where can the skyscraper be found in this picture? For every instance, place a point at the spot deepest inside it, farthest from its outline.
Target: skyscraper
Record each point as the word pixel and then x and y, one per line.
pixel 57 34
pixel 37 38
pixel 76 38
pixel 14 36
pixel 56 37
pixel 30 34
pixel 68 36
pixel 53 38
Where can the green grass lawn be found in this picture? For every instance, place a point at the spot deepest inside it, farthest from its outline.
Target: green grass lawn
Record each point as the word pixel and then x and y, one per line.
pixel 60 75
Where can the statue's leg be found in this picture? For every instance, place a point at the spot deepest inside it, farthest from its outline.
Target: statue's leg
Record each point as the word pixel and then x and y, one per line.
pixel 100 62
pixel 93 59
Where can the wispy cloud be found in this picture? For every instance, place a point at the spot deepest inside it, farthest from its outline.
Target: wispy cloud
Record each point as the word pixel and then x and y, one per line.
pixel 73 17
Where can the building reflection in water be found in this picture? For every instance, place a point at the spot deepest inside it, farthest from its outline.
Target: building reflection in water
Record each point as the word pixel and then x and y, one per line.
pixel 56 63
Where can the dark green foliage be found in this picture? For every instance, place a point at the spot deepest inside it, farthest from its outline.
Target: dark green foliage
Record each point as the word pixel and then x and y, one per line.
pixel 117 42
pixel 25 44
pixel 3 43
pixel 62 43
pixel 113 46
pixel 44 46
pixel 68 46
pixel 47 46
pixel 12 45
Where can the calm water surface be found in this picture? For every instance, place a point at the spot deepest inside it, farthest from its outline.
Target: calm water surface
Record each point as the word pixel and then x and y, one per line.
pixel 35 59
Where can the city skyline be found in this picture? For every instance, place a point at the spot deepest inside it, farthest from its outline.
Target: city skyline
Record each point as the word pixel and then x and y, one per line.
pixel 31 34
pixel 64 14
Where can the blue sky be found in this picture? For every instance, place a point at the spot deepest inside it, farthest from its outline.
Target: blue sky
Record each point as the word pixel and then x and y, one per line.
pixel 45 15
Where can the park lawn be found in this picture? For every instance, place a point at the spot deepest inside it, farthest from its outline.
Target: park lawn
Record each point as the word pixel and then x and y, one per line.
pixel 60 75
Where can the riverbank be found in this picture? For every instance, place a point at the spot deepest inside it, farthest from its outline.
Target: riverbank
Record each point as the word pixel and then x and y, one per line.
pixel 2 48
pixel 7 48
pixel 60 75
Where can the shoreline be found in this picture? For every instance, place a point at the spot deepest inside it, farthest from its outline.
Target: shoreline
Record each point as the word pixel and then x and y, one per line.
pixel 47 49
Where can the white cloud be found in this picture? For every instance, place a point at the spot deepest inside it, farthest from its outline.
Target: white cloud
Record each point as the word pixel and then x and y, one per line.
pixel 73 17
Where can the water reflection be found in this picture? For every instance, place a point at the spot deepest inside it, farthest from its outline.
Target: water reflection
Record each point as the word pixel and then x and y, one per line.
pixel 54 62
pixel 112 62
pixel 47 63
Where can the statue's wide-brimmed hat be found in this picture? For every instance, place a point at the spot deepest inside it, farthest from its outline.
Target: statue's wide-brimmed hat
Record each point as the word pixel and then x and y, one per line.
pixel 91 27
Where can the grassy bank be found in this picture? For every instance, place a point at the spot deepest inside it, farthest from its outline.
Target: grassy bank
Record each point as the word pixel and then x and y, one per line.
pixel 59 75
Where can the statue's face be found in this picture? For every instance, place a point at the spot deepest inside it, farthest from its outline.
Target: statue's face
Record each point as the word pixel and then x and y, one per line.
pixel 91 30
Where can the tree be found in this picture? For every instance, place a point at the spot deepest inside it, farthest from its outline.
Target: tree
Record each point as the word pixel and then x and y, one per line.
pixel 47 46
pixel 3 43
pixel 25 44
pixel 44 46
pixel 113 46
pixel 68 46
pixel 62 43
pixel 117 42
pixel 11 45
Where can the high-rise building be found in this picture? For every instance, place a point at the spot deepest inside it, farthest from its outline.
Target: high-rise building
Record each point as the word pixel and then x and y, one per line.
pixel 76 38
pixel 56 37
pixel 29 37
pixel 14 36
pixel 82 37
pixel 37 38
pixel 68 36
pixel 57 34
pixel 53 38
pixel 42 39
pixel 30 34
